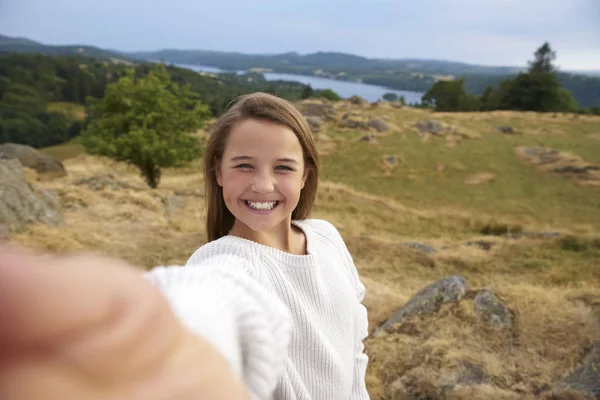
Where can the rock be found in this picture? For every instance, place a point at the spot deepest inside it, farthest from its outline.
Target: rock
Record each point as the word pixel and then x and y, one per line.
pixel 358 101
pixel 490 309
pixel 99 182
pixel 317 108
pixel 470 374
pixel 315 123
pixel 354 121
pixel 378 125
pixel 173 203
pixel 586 378
pixel 564 164
pixel 391 160
pixel 31 158
pixel 505 129
pixel 430 126
pixel 428 300
pixel 368 138
pixel 419 246
pixel 20 203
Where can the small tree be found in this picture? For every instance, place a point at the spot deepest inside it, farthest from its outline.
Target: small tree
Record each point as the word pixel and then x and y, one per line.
pixel 146 122
pixel 307 92
pixel 450 96
pixel 391 97
pixel 544 56
pixel 402 100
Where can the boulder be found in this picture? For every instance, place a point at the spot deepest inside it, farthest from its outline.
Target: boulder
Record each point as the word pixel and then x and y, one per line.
pixel 99 182
pixel 429 126
pixel 358 101
pixel 585 379
pixel 20 203
pixel 505 129
pixel 316 123
pixel 31 158
pixel 378 125
pixel 428 300
pixel 490 310
pixel 317 108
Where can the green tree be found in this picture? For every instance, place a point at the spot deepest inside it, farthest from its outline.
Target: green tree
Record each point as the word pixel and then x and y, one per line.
pixel 391 97
pixel 543 58
pixel 450 96
pixel 328 94
pixel 402 100
pixel 307 92
pixel 146 122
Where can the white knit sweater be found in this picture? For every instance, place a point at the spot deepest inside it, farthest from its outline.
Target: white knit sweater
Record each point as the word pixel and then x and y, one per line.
pixel 291 326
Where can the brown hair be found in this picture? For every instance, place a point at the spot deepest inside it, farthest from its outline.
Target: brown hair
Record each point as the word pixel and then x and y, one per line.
pixel 259 106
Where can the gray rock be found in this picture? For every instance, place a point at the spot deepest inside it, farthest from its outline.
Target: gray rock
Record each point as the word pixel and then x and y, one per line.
pixel 358 101
pixel 419 246
pixel 586 378
pixel 505 129
pixel 173 203
pixel 31 158
pixel 316 123
pixel 321 109
pixel 429 126
pixel 428 300
pixel 393 160
pixel 378 125
pixel 20 203
pixel 490 309
pixel 367 138
pixel 99 182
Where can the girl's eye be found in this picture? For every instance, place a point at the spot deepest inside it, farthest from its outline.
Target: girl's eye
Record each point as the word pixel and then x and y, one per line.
pixel 283 168
pixel 243 166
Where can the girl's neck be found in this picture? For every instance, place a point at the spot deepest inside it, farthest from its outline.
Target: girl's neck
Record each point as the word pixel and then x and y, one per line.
pixel 287 237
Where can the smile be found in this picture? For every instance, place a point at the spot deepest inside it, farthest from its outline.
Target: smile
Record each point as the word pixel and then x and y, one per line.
pixel 261 206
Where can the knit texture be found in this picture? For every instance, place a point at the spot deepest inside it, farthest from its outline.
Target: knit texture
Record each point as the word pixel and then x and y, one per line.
pixel 292 326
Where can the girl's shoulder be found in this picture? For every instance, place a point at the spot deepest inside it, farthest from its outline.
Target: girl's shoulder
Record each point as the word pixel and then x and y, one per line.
pixel 321 229
pixel 221 251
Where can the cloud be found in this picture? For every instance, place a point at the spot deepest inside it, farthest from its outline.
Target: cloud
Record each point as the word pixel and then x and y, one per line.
pixel 496 32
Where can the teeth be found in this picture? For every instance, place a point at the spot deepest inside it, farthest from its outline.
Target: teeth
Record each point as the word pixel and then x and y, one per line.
pixel 262 206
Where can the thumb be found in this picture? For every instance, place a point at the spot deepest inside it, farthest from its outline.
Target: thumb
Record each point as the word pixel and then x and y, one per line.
pixel 44 298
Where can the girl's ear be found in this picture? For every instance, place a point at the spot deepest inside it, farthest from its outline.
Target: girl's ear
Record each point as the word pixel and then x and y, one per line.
pixel 306 170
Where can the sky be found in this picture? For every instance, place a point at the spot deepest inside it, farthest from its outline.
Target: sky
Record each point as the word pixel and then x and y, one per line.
pixel 485 32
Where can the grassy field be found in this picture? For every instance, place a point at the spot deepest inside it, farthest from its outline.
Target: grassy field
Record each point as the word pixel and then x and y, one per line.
pixel 551 284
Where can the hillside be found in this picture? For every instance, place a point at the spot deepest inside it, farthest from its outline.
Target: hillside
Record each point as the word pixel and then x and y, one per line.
pixel 402 74
pixel 422 197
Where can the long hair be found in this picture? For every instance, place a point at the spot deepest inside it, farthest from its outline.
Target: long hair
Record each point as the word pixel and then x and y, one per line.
pixel 265 107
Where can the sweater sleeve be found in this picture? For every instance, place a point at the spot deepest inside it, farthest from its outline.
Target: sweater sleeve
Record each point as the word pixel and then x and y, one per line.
pixel 249 326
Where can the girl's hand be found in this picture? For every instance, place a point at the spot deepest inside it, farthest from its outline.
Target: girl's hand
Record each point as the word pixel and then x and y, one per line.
pixel 89 328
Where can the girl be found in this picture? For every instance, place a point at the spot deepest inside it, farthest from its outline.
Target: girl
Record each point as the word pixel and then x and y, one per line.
pixel 275 294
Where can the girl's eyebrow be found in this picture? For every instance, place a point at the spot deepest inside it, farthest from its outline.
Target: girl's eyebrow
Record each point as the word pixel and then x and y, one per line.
pixel 246 158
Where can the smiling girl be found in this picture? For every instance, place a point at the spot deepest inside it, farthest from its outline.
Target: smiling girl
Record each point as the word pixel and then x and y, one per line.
pixel 273 293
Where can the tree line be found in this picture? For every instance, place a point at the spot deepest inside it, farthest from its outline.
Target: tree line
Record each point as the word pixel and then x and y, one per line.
pixel 30 82
pixel 538 89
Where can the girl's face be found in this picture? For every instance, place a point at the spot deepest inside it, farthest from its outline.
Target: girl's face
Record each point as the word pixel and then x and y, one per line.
pixel 262 173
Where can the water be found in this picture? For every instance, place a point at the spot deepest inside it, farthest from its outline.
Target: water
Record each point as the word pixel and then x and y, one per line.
pixel 343 88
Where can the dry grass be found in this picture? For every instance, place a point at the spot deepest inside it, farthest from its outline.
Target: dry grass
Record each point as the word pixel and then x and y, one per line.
pixel 551 284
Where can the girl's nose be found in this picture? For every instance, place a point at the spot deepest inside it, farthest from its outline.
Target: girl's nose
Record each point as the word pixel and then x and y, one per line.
pixel 263 183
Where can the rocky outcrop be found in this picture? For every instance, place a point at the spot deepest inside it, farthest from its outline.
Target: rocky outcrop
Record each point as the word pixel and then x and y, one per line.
pixel 21 203
pixel 31 158
pixel 317 108
pixel 428 300
pixel 566 165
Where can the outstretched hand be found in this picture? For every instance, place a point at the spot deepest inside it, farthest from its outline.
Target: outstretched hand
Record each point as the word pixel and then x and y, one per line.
pixel 90 328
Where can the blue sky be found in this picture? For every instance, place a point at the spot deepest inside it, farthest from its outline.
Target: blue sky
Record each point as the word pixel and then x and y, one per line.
pixel 489 32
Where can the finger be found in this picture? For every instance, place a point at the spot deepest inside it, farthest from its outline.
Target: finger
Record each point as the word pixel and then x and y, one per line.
pixel 43 297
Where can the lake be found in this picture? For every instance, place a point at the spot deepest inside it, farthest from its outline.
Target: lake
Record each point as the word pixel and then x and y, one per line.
pixel 343 88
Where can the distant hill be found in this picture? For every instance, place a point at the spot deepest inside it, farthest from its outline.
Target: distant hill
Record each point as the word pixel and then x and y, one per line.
pixel 402 74
pixel 23 45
